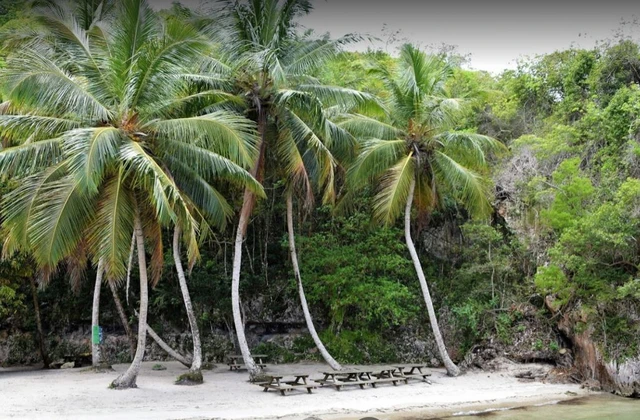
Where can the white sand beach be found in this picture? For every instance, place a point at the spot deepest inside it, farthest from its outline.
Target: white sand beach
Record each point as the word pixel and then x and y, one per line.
pixel 78 394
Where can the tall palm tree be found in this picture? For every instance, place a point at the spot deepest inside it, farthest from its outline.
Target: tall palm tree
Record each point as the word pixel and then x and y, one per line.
pixel 269 66
pixel 415 157
pixel 107 144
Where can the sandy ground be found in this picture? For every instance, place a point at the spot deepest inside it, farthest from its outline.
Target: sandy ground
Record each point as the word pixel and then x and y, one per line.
pixel 78 394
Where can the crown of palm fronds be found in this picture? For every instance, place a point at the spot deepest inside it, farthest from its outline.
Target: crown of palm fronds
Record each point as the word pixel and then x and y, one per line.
pixel 102 127
pixel 270 64
pixel 417 141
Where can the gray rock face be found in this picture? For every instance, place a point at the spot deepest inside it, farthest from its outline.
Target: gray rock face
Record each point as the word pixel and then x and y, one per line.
pixel 625 377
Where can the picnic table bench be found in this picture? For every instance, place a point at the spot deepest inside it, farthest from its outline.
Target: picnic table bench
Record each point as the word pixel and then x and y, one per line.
pixel 277 383
pixel 236 361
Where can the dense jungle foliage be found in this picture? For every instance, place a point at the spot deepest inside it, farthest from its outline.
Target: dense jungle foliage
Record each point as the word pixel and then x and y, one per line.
pixel 564 234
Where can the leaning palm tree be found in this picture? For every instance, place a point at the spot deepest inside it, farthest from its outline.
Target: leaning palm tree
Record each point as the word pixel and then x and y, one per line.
pixel 310 166
pixel 415 157
pixel 107 146
pixel 268 64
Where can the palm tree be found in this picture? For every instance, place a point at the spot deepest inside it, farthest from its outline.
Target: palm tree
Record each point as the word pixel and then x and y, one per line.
pixel 270 67
pixel 108 143
pixel 416 157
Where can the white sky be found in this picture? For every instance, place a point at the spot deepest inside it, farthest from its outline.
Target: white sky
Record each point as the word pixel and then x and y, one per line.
pixel 495 33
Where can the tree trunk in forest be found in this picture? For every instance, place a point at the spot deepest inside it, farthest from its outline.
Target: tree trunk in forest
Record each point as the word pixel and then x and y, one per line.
pixel 164 346
pixel 128 378
pixel 303 300
pixel 123 319
pixel 195 332
pixel 36 307
pixel 452 369
pixel 245 214
pixel 95 315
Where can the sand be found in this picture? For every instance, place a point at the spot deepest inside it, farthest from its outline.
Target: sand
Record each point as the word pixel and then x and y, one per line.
pixel 78 394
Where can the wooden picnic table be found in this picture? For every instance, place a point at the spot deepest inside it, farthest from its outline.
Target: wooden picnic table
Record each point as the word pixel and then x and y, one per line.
pixel 387 374
pixel 277 383
pixel 411 373
pixel 340 378
pixel 236 361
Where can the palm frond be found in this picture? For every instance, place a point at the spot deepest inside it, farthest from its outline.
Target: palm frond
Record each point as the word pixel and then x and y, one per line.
pixel 29 158
pixel 91 151
pixel 394 188
pixel 18 128
pixel 222 132
pixel 364 127
pixel 18 205
pixel 469 147
pixel 350 100
pixel 59 222
pixel 209 165
pixel 312 54
pixel 35 81
pixel 293 165
pixel 207 199
pixel 146 173
pixel 377 156
pixel 76 263
pixel 317 160
pixel 163 58
pixel 109 235
pixel 134 25
pixel 463 183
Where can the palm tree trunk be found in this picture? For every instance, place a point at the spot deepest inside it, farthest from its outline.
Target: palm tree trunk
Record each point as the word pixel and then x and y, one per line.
pixel 123 319
pixel 129 266
pixel 452 369
pixel 303 300
pixel 128 378
pixel 95 314
pixel 36 307
pixel 245 213
pixel 164 346
pixel 253 369
pixel 195 333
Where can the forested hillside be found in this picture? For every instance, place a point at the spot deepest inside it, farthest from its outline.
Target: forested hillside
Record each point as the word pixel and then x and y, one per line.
pixel 548 273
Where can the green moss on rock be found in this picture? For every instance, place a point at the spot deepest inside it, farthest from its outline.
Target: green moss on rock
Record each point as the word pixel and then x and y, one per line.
pixel 190 378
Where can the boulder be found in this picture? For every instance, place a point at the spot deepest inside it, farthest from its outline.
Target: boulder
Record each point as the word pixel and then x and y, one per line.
pixel 68 365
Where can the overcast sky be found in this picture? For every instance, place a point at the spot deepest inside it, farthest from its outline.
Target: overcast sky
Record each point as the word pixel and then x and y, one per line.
pixel 494 33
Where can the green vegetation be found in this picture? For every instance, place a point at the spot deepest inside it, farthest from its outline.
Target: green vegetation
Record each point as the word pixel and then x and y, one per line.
pixel 286 152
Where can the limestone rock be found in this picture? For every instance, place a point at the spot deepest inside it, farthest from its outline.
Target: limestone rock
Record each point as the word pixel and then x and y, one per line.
pixel 591 385
pixel 68 365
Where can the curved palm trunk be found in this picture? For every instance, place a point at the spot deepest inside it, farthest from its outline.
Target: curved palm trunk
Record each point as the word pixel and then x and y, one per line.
pixel 123 319
pixel 195 333
pixel 247 207
pixel 95 314
pixel 164 346
pixel 128 378
pixel 452 369
pixel 36 307
pixel 253 369
pixel 303 300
